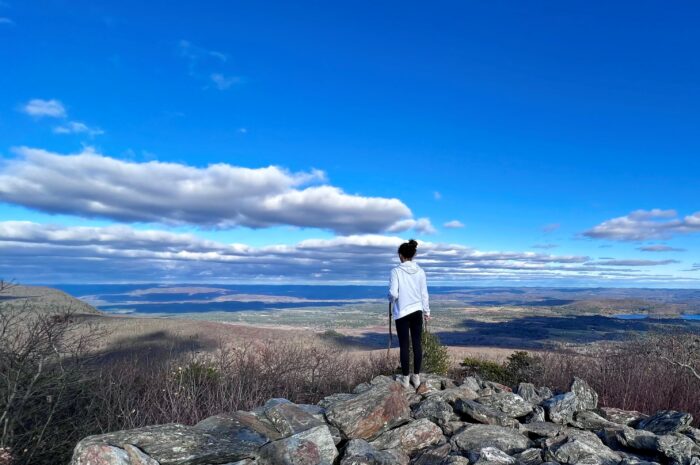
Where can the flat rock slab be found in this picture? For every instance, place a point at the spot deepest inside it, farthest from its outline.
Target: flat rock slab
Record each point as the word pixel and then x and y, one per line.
pixel 678 448
pixel 592 421
pixel 435 410
pixel 529 457
pixel 290 419
pixel 478 437
pixel 434 455
pixel 314 446
pixel 542 429
pixel 453 394
pixel 581 447
pixel 170 444
pixel 368 414
pixel 491 456
pixel 666 422
pixel 242 425
pixel 483 413
pixel 411 437
pixel 510 404
pixel 360 452
pixel 622 417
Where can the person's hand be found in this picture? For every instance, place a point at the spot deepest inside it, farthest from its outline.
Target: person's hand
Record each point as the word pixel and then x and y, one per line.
pixel 426 317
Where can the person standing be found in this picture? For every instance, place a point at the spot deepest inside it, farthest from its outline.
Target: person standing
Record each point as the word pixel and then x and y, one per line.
pixel 408 291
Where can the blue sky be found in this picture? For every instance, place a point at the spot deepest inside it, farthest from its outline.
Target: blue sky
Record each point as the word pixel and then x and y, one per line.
pixel 570 125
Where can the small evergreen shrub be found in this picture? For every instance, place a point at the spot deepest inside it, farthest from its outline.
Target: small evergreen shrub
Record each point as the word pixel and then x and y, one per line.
pixel 519 367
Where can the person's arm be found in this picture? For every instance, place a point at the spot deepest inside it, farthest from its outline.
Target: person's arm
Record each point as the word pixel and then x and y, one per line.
pixel 393 287
pixel 424 296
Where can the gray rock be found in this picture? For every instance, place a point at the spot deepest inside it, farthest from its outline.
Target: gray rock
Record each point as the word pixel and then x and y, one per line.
pixel 561 408
pixel 315 410
pixel 367 415
pixel 333 398
pixel 544 392
pixel 537 414
pixel 529 457
pixel 243 425
pixel 137 456
pixel 477 437
pixel 290 419
pixel 360 452
pixel 435 410
pixel 510 404
pixel 678 448
pixel 622 417
pixel 631 438
pixel 360 388
pixel 483 413
pixel 472 383
pixel 451 395
pixel 587 398
pixel 99 454
pixel 692 433
pixel 451 427
pixel 491 456
pixel 592 421
pixel 314 446
pixel 433 455
pixel 528 392
pixel 542 429
pixel 496 387
pixel 582 447
pixel 170 444
pixel 636 461
pixel 666 422
pixel 410 437
pixel 456 460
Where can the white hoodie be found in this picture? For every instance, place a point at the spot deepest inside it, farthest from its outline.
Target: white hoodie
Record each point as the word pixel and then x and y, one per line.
pixel 408 290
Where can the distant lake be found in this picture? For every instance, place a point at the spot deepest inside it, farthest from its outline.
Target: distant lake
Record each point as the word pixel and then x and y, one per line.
pixel 643 316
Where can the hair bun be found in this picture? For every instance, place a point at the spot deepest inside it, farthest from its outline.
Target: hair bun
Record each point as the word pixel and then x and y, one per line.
pixel 413 243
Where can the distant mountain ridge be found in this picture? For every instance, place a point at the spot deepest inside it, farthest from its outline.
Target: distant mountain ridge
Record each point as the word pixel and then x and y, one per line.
pixel 41 298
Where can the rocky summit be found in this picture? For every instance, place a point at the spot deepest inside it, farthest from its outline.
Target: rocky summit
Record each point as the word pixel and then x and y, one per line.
pixel 441 423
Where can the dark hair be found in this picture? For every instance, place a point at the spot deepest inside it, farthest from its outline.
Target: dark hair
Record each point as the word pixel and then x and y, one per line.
pixel 408 249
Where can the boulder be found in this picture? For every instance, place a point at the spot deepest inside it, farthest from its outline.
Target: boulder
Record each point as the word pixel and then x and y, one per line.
pixel 333 398
pixel 290 419
pixel 678 448
pixel 666 422
pixel 410 437
pixel 542 429
pixel 495 387
pixel 483 413
pixel 692 433
pixel 589 420
pixel 477 437
pixel 544 392
pixel 528 392
pixel 622 417
pixel 586 397
pixel 100 454
pixel 433 455
pixel 435 410
pixel 314 446
pixel 631 438
pixel 529 457
pixel 137 456
pixel 561 408
pixel 472 383
pixel 170 444
pixel 491 456
pixel 367 415
pixel 455 460
pixel 360 452
pixel 451 427
pixel 581 447
pixel 537 414
pixel 451 395
pixel 510 404
pixel 243 425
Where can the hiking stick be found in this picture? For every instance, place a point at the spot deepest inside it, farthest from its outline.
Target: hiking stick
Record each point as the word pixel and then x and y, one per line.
pixel 388 349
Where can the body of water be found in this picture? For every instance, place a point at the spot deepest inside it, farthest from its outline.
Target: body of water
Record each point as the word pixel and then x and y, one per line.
pixel 644 316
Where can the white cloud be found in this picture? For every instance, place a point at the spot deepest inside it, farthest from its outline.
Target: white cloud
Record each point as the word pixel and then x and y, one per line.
pixel 421 225
pixel 635 262
pixel 644 225
pixel 122 252
pixel 89 184
pixel 545 246
pixel 76 127
pixel 437 195
pixel 454 224
pixel 6 21
pixel 40 108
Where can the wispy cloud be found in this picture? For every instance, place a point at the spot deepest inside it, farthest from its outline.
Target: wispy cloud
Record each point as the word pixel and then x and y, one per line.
pixel 76 127
pixel 660 248
pixel 437 195
pixel 8 21
pixel 222 82
pixel 454 224
pixel 421 225
pixel 548 228
pixel 205 65
pixel 89 184
pixel 44 108
pixel 635 262
pixel 545 246
pixel 646 224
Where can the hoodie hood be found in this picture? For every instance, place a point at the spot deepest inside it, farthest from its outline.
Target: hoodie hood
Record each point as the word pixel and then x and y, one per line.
pixel 409 267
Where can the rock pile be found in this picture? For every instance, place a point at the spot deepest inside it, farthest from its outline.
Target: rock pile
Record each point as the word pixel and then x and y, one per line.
pixel 442 423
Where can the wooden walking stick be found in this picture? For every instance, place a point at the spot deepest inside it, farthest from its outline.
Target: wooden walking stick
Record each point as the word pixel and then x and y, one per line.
pixel 388 349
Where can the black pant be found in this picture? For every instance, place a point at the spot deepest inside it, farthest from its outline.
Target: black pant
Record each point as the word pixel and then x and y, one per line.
pixel 412 322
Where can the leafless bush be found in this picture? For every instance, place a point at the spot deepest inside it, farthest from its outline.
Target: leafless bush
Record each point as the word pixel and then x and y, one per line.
pixel 646 374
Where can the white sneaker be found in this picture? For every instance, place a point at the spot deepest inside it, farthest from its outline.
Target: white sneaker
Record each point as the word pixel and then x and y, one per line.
pixel 415 380
pixel 403 380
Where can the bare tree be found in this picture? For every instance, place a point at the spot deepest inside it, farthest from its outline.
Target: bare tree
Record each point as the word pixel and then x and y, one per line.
pixel 680 348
